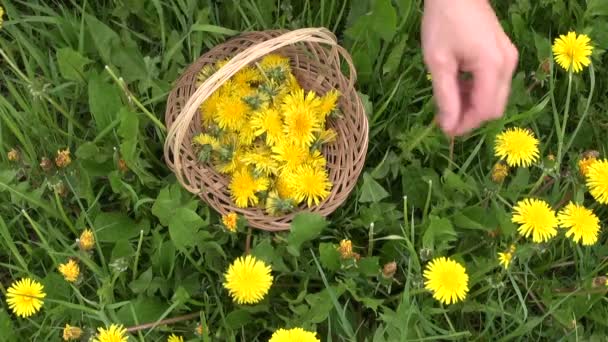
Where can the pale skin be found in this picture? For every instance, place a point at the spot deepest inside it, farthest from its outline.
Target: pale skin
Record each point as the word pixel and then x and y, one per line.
pixel 466 36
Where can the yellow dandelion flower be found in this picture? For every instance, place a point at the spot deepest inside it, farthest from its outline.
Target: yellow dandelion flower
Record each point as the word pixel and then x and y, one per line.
pixel 346 249
pixel 535 218
pixel 274 60
pixel 316 160
pixel 230 221
pixel 328 103
pixel 584 164
pixel 309 184
pixel 572 51
pixel 597 180
pixel 209 108
pixel 505 258
pixel 447 280
pixel 248 280
pixel 232 113
pixel 327 136
pixel 292 84
pixel 205 139
pixel 114 333
pixel 63 158
pixel 293 335
pixel 71 333
pixel 582 224
pixel 24 297
pixel 301 123
pixel 290 155
pixel 429 77
pixel 248 75
pixel 499 172
pixel 243 188
pixel 517 146
pixel 262 161
pixel 70 270
pixel 175 338
pixel 281 184
pixel 268 122
pixel 86 241
pixel 13 155
pixel 205 72
pixel 246 135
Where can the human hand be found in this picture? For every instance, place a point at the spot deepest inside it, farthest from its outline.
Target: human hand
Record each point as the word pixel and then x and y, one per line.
pixel 465 36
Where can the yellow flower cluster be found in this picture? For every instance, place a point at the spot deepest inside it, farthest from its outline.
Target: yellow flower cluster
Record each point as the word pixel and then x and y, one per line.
pixel 265 132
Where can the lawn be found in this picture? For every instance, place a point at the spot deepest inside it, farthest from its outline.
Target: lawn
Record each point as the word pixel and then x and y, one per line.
pixel 90 211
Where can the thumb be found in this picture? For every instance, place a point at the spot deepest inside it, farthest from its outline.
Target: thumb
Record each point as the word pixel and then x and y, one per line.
pixel 447 96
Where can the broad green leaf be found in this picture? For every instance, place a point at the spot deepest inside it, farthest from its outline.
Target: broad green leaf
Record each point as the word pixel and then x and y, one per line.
pixel 329 256
pixel 265 251
pixel 56 287
pixel 122 249
pixel 475 217
pixel 369 266
pixel 6 326
pixel 71 64
pixel 184 223
pixel 145 309
pixel 238 319
pixel 128 131
pixel 304 227
pixel 104 101
pixel 321 304
pixel 141 284
pixel 597 8
pixel 364 298
pixel 440 230
pixel 384 19
pixel 169 200
pixel 543 47
pixel 371 191
pixel 181 295
pixel 103 37
pixel 163 258
pixel 116 226
pixel 395 57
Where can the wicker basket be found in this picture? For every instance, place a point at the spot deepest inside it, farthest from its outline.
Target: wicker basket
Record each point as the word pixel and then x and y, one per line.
pixel 315 61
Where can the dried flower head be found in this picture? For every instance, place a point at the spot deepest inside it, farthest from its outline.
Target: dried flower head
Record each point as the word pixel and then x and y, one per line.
pixel 13 155
pixel 63 158
pixel 71 333
pixel 46 164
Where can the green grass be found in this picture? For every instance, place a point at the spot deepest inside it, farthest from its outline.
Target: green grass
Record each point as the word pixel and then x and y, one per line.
pixel 419 197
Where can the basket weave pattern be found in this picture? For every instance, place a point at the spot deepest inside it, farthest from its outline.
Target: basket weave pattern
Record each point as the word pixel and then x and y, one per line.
pixel 315 59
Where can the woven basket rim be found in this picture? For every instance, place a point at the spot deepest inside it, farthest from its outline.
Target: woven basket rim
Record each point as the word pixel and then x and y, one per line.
pixel 183 104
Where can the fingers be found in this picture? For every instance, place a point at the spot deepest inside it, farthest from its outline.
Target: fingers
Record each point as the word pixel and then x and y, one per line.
pixel 492 75
pixel 446 90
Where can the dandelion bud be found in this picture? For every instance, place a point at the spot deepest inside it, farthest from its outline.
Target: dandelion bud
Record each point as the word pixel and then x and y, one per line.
pixel 86 242
pixel 71 333
pixel 13 155
pixel 389 269
pixel 346 249
pixel 122 166
pixel 499 172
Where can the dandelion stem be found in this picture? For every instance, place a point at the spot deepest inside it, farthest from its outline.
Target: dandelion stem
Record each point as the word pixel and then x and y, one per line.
pixel 586 112
pixel 136 101
pixel 248 242
pixel 164 322
pixel 562 133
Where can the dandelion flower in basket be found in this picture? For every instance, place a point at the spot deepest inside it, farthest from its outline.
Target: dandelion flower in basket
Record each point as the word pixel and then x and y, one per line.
pixel 266 125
